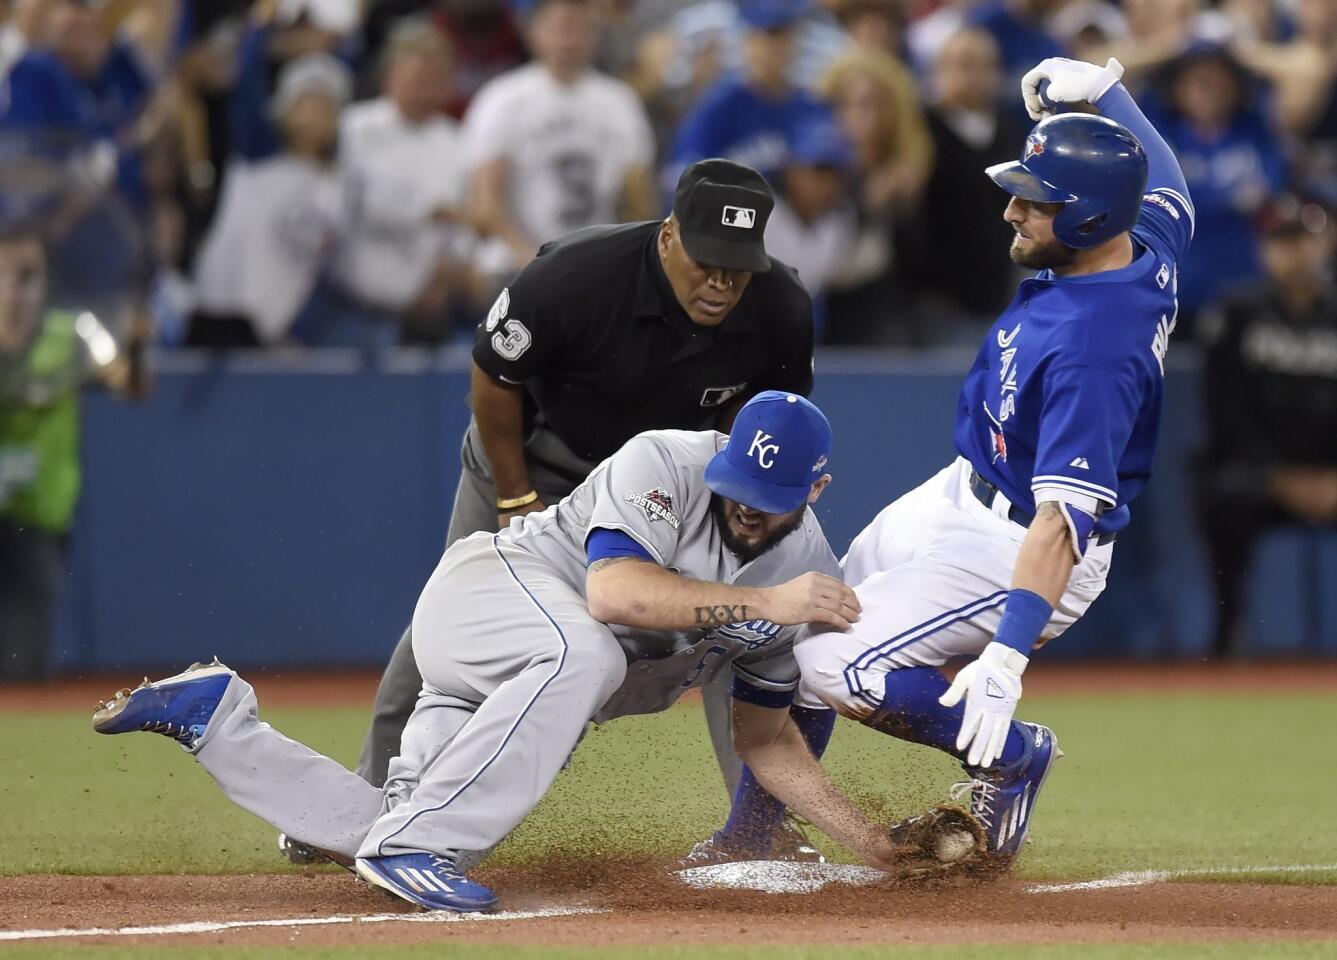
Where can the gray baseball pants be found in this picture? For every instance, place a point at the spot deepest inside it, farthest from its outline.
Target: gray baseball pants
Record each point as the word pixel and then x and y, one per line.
pixel 513 667
pixel 475 511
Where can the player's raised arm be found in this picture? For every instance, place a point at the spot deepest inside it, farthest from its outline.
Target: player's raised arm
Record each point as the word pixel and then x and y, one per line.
pixel 1163 172
pixel 1058 81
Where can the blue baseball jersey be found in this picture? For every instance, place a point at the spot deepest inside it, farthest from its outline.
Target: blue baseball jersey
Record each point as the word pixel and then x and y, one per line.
pixel 733 121
pixel 1064 399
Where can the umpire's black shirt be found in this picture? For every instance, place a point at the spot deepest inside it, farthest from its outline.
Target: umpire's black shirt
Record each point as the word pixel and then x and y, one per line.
pixel 592 329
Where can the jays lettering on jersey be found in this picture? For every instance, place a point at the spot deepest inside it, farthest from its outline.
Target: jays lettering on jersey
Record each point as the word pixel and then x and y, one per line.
pixel 1064 399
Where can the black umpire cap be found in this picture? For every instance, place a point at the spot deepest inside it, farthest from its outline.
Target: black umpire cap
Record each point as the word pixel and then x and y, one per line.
pixel 722 208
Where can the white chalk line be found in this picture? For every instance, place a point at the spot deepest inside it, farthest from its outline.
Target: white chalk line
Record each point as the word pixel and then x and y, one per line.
pixel 1135 878
pixel 1141 878
pixel 215 926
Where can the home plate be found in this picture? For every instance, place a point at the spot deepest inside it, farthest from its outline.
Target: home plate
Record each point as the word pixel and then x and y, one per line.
pixel 778 876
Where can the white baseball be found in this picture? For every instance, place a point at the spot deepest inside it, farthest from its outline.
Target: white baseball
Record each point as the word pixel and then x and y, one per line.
pixel 952 845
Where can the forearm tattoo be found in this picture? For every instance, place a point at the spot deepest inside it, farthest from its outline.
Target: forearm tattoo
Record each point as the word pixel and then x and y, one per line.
pixel 721 614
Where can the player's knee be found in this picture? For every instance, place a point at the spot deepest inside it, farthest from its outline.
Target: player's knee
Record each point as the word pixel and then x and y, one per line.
pixel 823 673
pixel 602 666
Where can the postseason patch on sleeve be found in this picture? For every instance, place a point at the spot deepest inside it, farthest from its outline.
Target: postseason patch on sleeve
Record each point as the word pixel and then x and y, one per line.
pixel 1162 202
pixel 657 504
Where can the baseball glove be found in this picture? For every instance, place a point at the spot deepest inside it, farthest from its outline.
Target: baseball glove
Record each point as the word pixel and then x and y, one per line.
pixel 945 840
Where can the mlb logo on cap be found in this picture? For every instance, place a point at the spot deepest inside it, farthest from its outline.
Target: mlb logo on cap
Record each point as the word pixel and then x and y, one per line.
pixel 741 217
pixel 721 208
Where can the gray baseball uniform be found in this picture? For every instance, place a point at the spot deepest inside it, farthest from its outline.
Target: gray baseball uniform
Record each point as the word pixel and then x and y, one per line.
pixel 554 471
pixel 514 666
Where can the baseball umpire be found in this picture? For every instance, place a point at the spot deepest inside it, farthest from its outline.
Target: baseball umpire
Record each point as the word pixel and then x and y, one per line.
pixel 1056 430
pixel 683 556
pixel 611 331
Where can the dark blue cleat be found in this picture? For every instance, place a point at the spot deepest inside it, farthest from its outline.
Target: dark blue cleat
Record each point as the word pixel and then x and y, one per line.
pixel 1003 798
pixel 427 880
pixel 179 707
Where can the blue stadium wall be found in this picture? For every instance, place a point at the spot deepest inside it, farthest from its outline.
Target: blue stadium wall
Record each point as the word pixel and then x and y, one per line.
pixel 285 512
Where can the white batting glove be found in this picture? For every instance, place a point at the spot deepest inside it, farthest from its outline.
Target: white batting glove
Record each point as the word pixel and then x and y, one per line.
pixel 1066 81
pixel 992 687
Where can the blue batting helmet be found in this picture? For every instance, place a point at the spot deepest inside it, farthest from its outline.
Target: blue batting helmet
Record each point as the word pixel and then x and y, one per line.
pixel 1093 166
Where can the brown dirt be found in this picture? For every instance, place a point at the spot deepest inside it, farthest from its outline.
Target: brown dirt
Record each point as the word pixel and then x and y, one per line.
pixel 648 906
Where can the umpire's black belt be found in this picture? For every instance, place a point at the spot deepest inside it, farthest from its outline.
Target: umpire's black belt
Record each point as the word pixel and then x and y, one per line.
pixel 985 492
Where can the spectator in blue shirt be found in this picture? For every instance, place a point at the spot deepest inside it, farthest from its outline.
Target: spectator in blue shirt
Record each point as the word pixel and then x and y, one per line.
pixel 78 97
pixel 42 94
pixel 81 85
pixel 297 28
pixel 120 83
pixel 1019 29
pixel 1232 160
pixel 750 118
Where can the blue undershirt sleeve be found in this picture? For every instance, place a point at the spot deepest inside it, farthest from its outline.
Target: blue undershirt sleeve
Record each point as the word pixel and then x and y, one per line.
pixel 604 543
pixel 1163 170
pixel 1166 219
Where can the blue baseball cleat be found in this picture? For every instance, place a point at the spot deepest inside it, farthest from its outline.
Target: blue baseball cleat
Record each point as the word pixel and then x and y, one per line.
pixel 179 707
pixel 427 880
pixel 1003 798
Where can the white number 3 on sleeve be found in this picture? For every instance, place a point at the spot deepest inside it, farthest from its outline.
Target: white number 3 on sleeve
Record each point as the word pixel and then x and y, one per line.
pixel 513 342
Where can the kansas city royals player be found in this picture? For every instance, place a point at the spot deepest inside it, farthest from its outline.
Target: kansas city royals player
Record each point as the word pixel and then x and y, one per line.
pixel 1056 427
pixel 651 578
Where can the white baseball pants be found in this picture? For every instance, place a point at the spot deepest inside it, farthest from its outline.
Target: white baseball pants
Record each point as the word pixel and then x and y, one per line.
pixel 932 572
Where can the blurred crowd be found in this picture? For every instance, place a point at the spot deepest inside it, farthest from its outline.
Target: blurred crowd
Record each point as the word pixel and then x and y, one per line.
pixel 277 173
pixel 366 172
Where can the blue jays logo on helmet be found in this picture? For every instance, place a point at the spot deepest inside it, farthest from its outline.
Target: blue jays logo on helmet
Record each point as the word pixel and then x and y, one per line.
pixel 1093 166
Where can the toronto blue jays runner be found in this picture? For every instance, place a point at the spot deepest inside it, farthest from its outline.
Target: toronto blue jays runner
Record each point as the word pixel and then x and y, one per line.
pixel 1056 427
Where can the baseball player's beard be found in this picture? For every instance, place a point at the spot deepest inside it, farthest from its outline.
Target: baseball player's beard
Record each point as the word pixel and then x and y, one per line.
pixel 1040 256
pixel 744 548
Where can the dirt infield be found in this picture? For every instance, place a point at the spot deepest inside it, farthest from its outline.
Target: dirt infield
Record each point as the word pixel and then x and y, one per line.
pixel 644 904
pixel 641 903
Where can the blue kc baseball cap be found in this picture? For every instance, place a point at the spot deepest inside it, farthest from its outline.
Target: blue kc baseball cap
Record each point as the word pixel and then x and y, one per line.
pixel 777 448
